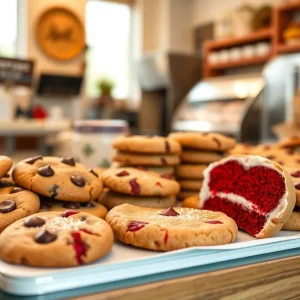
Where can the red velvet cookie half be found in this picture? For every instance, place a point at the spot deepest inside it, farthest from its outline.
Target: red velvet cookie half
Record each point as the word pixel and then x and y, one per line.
pixel 257 193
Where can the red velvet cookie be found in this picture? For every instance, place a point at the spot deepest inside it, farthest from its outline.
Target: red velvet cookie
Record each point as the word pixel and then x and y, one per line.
pixel 256 192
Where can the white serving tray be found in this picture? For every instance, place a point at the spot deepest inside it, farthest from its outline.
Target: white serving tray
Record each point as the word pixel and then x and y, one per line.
pixel 126 262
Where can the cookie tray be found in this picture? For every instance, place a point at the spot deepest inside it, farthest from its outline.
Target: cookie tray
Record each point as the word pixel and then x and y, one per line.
pixel 129 263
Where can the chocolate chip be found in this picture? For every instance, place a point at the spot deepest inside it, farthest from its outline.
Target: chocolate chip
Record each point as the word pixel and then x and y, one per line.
pixel 45 237
pixel 33 159
pixel 83 219
pixel 6 176
pixel 34 222
pixel 68 161
pixel 16 189
pixel 217 142
pixel 78 180
pixel 46 171
pixel 87 204
pixel 296 174
pixel 297 186
pixel 7 206
pixel 169 212
pixel 122 173
pixel 167 147
pixel 93 172
pixel 71 205
pixel 53 191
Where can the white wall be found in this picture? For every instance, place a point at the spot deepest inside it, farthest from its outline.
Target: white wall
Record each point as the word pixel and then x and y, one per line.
pixel 43 63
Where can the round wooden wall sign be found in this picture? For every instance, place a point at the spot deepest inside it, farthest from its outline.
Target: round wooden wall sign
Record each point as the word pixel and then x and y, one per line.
pixel 60 33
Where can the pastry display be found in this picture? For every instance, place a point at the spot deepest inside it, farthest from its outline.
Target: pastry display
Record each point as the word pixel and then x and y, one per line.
pixel 171 228
pixel 134 184
pixel 198 150
pixel 257 193
pixel 58 178
pixel 78 237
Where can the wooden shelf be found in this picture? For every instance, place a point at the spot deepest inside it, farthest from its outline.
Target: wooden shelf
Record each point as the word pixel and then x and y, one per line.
pixel 241 63
pixel 294 5
pixel 248 39
pixel 286 48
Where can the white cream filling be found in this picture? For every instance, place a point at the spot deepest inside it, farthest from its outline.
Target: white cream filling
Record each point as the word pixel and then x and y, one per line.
pixel 247 162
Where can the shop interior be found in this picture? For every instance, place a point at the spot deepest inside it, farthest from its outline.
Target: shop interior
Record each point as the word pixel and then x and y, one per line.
pixel 160 65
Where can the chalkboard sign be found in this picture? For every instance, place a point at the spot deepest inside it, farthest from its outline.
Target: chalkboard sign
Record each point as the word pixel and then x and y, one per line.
pixel 16 71
pixel 52 85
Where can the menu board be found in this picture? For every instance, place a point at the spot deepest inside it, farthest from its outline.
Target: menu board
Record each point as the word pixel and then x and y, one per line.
pixel 16 71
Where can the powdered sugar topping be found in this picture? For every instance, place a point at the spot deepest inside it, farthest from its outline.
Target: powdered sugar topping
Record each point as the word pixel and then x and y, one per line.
pixel 58 224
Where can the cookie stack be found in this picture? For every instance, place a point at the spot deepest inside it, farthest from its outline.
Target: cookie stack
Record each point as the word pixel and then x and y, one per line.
pixel 61 184
pixel 198 150
pixel 139 188
pixel 155 153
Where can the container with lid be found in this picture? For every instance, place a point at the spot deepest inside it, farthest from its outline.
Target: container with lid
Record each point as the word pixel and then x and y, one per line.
pixel 92 140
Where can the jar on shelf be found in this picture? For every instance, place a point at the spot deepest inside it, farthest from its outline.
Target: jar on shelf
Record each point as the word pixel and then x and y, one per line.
pixel 92 140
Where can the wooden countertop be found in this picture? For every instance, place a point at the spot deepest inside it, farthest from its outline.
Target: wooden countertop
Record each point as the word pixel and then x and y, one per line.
pixel 276 279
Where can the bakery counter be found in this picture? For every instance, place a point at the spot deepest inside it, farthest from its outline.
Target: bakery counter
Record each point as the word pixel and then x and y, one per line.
pixel 275 279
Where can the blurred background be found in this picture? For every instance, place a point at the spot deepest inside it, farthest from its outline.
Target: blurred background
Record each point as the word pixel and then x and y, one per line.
pixel 76 74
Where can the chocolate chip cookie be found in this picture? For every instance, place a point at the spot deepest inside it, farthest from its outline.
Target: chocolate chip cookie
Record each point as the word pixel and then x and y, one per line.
pixel 15 204
pixel 138 183
pixel 58 178
pixel 5 165
pixel 170 229
pixel 146 144
pixel 56 239
pixel 203 141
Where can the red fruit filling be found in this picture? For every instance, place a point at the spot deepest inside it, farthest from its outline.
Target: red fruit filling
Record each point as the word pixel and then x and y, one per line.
pixel 135 187
pixel 261 186
pixel 213 222
pixel 289 151
pixel 296 174
pixel 136 225
pixel 158 184
pixel 122 174
pixel 250 221
pixel 69 213
pixel 167 147
pixel 166 236
pixel 217 142
pixel 163 161
pixel 169 212
pixel 79 246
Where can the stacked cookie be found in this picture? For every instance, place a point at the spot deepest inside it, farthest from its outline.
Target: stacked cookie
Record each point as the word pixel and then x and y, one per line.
pixel 155 153
pixel 61 184
pixel 198 150
pixel 139 188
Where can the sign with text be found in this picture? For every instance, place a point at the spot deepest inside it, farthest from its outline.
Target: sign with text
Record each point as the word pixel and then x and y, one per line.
pixel 16 71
